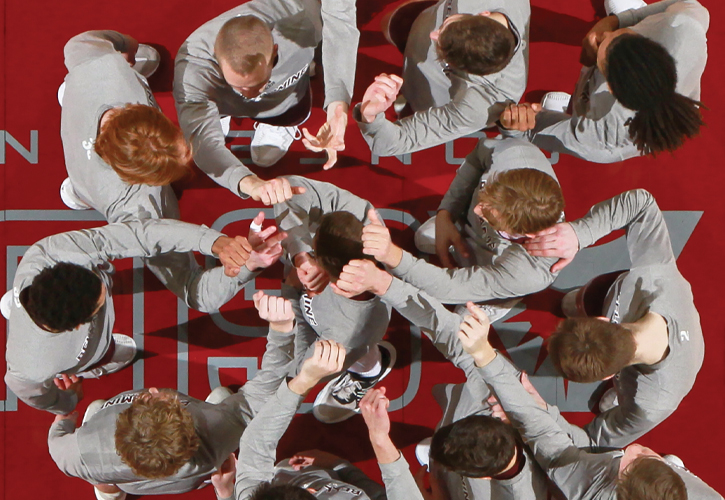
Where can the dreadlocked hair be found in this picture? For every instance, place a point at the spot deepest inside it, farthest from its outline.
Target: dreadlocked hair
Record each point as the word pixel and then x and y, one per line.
pixel 642 76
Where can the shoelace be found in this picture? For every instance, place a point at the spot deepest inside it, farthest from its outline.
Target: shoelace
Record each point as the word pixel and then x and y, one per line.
pixel 349 390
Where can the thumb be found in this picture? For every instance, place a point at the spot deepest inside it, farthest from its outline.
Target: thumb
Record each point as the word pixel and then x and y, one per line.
pixel 460 245
pixel 560 264
pixel 259 219
pixel 373 216
pixel 536 106
pixel 298 190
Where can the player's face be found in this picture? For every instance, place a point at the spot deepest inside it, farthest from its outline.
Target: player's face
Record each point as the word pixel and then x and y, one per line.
pixel 250 85
pixel 632 453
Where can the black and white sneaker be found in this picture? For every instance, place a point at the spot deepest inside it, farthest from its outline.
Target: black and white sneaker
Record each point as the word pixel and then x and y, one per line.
pixel 339 399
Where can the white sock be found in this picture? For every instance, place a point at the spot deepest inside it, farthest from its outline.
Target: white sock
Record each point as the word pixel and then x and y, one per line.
pixel 369 365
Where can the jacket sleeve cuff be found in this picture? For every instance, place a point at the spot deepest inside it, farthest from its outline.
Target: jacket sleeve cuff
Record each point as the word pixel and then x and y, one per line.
pixel 406 262
pixel 394 469
pixel 208 237
pixel 583 233
pixel 368 128
pixel 236 177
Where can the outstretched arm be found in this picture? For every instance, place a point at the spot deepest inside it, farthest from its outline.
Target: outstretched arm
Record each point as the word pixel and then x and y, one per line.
pixel 94 44
pixel 258 445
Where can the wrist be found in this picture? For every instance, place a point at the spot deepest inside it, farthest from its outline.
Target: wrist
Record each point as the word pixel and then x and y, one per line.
pixel 224 492
pixel 484 356
pixel 301 384
pixel 248 184
pixel 395 255
pixel 282 326
pixel 219 244
pixel 382 283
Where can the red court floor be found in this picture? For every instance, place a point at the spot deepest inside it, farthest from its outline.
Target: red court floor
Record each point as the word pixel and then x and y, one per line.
pixel 193 352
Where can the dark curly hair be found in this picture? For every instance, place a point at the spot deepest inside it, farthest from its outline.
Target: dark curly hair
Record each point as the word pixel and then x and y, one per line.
pixel 62 297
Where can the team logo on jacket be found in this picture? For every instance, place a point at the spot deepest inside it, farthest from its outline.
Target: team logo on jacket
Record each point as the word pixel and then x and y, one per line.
pixel 307 309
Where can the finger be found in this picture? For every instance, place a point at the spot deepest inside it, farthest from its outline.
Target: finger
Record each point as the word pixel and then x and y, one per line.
pixel 298 190
pixel 373 217
pixel 331 159
pixel 560 264
pixel 259 219
pixel 59 383
pixel 478 313
pixel 274 240
pixel 446 259
pixel 266 233
pixel 308 136
pixel 264 195
pixel 340 291
pixel 257 297
pixel 536 107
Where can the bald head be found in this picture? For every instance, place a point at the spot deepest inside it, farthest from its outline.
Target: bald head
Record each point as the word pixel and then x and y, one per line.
pixel 244 44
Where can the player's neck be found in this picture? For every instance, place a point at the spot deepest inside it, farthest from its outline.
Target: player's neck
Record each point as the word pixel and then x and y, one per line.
pixel 652 338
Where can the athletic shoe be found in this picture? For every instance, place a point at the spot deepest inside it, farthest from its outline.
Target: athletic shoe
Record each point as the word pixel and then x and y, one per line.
pixel 614 7
pixel 568 304
pixel 218 395
pixel 675 461
pixel 270 143
pixel 609 400
pixel 425 237
pixel 399 104
pixel 121 495
pixel 6 304
pixel 61 93
pixel 556 101
pixel 494 312
pixel 93 409
pixel 147 60
pixel 422 452
pixel 226 123
pixel 125 352
pixel 340 398
pixel 70 198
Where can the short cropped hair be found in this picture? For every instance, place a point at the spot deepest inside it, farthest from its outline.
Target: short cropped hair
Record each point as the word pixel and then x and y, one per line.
pixel 648 478
pixel 268 491
pixel 476 446
pixel 62 297
pixel 522 201
pixel 476 44
pixel 143 146
pixel 155 436
pixel 243 43
pixel 338 241
pixel 586 350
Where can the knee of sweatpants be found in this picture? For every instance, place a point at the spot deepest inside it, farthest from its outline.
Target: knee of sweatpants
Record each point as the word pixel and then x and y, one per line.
pixel 425 236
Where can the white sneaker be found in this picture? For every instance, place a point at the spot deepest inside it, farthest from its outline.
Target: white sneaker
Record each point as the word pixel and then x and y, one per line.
pixel 425 236
pixel 340 398
pixel 6 304
pixel 399 104
pixel 674 460
pixel 122 357
pixel 70 198
pixel 121 495
pixel 61 93
pixel 270 143
pixel 494 311
pixel 226 123
pixel 93 409
pixel 614 7
pixel 609 400
pixel 422 452
pixel 147 60
pixel 568 304
pixel 218 395
pixel 556 101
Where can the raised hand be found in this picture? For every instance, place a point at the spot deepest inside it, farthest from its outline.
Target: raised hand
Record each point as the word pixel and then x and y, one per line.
pixel 319 458
pixel 277 310
pixel 520 117
pixel 232 252
pixel 532 390
pixel 474 335
pixel 377 242
pixel 269 192
pixel 557 241
pixel 447 234
pixel 311 274
pixel 379 96
pixel 360 276
pixel 266 245
pixel 497 410
pixel 331 136
pixel 590 43
pixel 70 383
pixel 327 359
pixel 374 408
pixel 223 478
